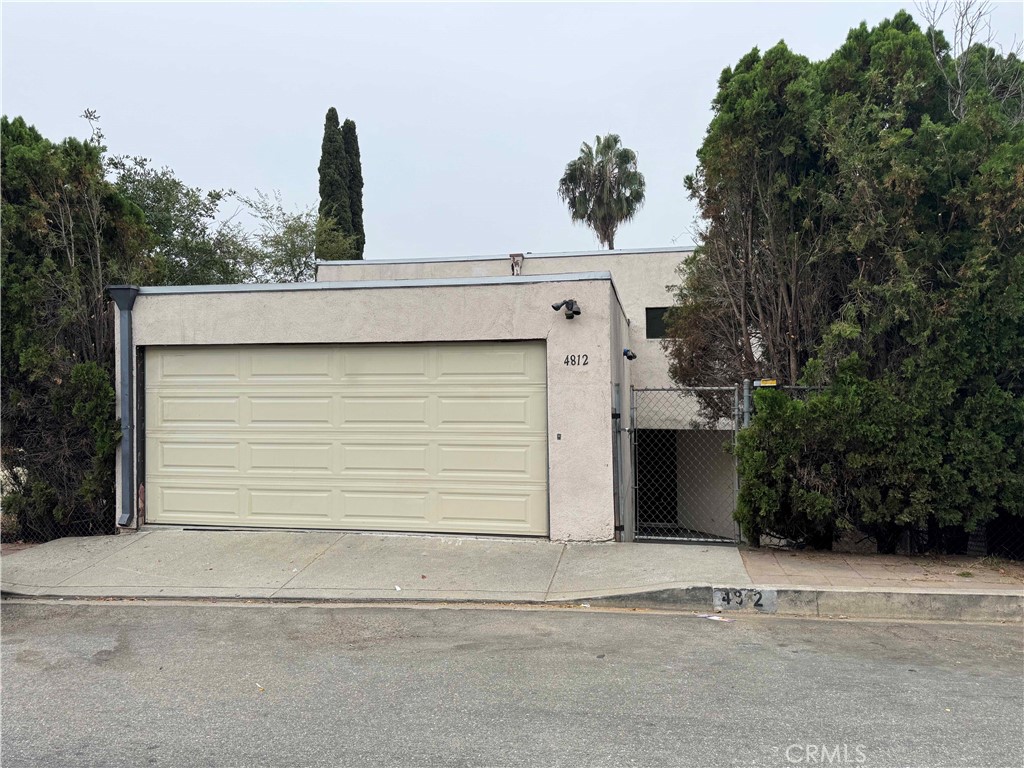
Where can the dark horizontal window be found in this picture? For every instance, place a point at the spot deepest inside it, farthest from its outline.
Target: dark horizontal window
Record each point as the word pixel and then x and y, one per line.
pixel 656 322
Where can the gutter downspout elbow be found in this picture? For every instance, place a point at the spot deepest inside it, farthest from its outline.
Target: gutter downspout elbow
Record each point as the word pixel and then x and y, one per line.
pixel 124 297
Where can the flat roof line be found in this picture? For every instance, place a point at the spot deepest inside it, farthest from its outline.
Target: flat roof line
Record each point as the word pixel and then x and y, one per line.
pixel 504 256
pixel 177 290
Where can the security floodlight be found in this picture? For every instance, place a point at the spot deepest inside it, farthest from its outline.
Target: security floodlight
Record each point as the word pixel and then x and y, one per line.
pixel 571 307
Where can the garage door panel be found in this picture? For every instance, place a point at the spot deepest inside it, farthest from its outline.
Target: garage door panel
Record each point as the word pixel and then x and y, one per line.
pixel 368 411
pixel 490 461
pixel 199 365
pixel 490 366
pixel 513 509
pixel 196 456
pixel 191 503
pixel 287 412
pixel 384 509
pixel 397 437
pixel 269 365
pixel 183 411
pixel 483 412
pixel 292 506
pixel 386 364
pixel 291 457
pixel 386 459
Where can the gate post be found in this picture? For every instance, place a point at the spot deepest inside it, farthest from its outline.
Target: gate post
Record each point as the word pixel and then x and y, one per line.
pixel 747 404
pixel 629 507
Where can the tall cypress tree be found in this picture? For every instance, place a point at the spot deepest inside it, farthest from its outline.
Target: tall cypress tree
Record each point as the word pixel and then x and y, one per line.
pixel 334 175
pixel 355 183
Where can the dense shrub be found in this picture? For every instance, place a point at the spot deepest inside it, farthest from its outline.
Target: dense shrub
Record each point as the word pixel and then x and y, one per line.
pixel 67 233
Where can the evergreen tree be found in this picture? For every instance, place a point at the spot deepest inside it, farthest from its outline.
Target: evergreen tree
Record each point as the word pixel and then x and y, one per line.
pixel 67 233
pixel 862 234
pixel 334 176
pixel 355 183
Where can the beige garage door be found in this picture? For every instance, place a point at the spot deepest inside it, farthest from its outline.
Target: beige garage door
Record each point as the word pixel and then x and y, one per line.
pixel 410 437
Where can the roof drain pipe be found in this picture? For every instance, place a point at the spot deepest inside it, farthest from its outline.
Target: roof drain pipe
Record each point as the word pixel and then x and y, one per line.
pixel 124 297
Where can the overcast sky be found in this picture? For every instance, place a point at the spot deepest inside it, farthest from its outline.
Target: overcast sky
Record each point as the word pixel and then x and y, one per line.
pixel 467 114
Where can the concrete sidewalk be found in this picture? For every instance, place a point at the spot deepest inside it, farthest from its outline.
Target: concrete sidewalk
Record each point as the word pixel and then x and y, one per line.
pixel 316 565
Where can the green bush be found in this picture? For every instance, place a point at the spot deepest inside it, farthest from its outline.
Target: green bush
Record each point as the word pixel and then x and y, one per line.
pixel 67 233
pixel 882 457
pixel 787 479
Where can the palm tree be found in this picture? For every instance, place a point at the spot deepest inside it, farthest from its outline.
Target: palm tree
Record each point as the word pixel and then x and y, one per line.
pixel 602 187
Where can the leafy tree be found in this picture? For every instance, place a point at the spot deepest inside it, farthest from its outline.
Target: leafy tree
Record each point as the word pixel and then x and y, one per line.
pixel 190 243
pixel 335 181
pixel 602 187
pixel 281 250
pixel 194 244
pixel 355 184
pixel 67 234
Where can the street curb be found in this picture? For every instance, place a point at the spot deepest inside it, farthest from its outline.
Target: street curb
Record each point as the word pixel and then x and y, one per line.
pixel 698 598
pixel 936 606
pixel 835 603
pixel 796 602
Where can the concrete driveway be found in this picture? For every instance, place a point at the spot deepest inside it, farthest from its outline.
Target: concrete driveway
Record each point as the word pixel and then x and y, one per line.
pixel 317 565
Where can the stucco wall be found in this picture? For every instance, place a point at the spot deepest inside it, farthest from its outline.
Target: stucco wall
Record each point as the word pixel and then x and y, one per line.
pixel 640 279
pixel 579 412
pixel 705 481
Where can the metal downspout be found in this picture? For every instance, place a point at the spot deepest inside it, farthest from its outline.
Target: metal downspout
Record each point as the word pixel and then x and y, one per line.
pixel 124 298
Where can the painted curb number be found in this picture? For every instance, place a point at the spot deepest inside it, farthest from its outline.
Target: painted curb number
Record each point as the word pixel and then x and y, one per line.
pixel 727 599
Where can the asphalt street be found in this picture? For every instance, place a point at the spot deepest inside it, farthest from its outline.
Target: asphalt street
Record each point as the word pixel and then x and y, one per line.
pixel 129 684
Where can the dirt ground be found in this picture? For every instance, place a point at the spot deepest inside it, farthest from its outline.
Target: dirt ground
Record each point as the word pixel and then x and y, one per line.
pixel 15 546
pixel 785 567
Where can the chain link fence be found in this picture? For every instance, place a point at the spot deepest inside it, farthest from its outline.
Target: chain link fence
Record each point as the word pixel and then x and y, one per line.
pixel 684 469
pixel 22 522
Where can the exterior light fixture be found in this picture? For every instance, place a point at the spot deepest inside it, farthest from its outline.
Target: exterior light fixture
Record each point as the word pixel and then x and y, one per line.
pixel 571 307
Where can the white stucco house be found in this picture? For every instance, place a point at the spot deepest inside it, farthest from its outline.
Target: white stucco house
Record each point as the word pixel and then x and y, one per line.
pixel 461 395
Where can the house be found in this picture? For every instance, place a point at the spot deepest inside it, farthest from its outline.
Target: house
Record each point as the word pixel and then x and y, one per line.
pixel 483 395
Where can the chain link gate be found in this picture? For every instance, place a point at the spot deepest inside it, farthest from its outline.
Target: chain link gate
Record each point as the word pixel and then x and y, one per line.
pixel 684 468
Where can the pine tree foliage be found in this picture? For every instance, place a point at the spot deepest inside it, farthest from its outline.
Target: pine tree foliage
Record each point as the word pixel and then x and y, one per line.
pixel 340 231
pixel 334 174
